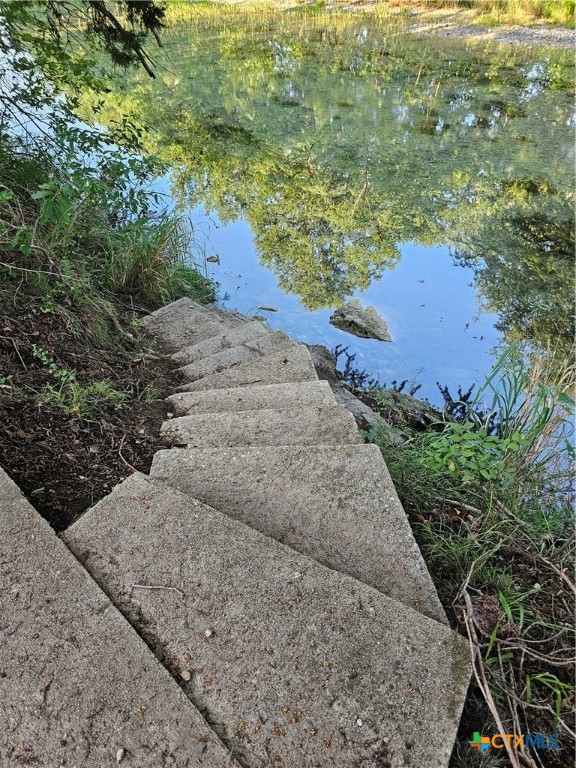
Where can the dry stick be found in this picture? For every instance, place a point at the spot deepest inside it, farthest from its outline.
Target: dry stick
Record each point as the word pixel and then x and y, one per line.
pixel 560 573
pixel 23 269
pixel 18 353
pixel 549 659
pixel 508 513
pixel 567 544
pixel 557 571
pixel 157 586
pixel 122 457
pixel 542 708
pixel 467 507
pixel 539 641
pixel 480 675
pixel 513 709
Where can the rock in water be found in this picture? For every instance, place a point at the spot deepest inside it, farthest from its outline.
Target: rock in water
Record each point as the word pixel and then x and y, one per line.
pixel 366 323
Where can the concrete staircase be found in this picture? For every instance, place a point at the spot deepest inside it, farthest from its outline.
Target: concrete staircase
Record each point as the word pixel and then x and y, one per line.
pixel 78 686
pixel 281 613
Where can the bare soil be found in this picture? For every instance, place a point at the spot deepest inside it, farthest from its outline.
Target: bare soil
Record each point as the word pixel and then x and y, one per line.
pixel 62 461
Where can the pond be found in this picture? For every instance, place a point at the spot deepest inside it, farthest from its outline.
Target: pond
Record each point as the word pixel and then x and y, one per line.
pixel 328 156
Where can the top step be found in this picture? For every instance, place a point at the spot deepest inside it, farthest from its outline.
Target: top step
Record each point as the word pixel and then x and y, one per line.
pixel 184 322
pixel 78 686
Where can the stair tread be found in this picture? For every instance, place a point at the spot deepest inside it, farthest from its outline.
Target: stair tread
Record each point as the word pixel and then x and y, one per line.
pixel 252 397
pixel 229 338
pixel 301 425
pixel 335 504
pixel 292 364
pixel 184 322
pixel 287 657
pixel 252 349
pixel 78 684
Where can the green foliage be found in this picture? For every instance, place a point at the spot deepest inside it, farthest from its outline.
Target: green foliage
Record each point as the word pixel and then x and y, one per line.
pixel 525 11
pixel 148 260
pixel 521 448
pixel 470 454
pixel 83 400
pixel 67 392
pixel 150 394
pixel 49 55
pixel 339 140
pixel 562 690
pixel 84 236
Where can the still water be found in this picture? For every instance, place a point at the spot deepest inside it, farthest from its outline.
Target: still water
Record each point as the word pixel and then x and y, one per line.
pixel 324 157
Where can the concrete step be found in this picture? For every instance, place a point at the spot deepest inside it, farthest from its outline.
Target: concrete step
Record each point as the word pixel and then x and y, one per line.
pixel 294 664
pixel 184 322
pixel 252 398
pixel 309 425
pixel 230 338
pixel 292 364
pixel 335 504
pixel 252 349
pixel 78 687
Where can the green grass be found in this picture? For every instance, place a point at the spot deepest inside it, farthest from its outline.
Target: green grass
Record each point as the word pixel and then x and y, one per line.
pixel 492 504
pixel 83 400
pixel 81 247
pixel 521 12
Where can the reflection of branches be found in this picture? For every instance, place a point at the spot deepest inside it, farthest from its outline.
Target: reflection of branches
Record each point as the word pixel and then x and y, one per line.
pixel 17 112
pixel 99 7
pixel 361 193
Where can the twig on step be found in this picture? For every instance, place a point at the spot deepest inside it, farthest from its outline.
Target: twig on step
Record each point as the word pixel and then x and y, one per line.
pixel 122 457
pixel 158 586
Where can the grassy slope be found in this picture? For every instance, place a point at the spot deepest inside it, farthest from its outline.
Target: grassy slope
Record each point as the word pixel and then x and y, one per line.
pixel 80 388
pixel 491 501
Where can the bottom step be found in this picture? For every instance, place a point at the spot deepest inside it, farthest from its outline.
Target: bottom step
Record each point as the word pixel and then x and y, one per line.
pixel 335 504
pixel 295 665
pixel 78 687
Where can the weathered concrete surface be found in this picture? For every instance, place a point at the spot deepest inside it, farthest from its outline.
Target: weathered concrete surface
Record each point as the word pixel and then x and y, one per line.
pixel 77 684
pixel 184 322
pixel 252 349
pixel 252 398
pixel 335 504
pixel 230 338
pixel 309 425
pixel 293 663
pixel 292 364
pixel 360 321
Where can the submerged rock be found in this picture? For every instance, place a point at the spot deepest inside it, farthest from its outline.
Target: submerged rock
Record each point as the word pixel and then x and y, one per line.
pixel 363 322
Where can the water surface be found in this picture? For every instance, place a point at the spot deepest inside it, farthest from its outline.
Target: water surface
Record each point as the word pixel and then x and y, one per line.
pixel 324 157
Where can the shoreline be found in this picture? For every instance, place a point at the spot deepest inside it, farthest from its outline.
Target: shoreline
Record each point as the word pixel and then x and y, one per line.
pixel 449 22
